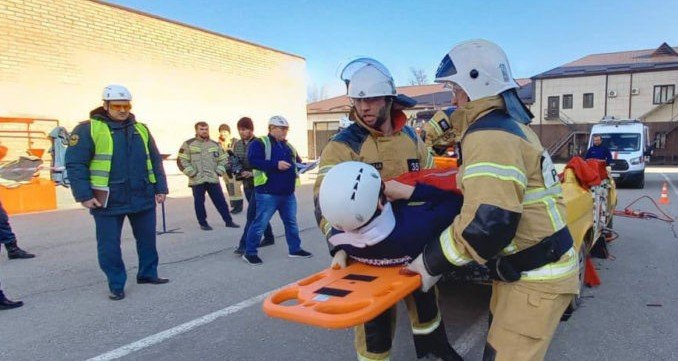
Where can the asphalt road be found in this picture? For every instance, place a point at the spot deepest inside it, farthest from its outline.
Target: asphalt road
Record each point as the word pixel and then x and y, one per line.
pixel 211 310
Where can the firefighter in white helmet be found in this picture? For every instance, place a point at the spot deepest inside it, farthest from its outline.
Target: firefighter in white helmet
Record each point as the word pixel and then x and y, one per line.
pixel 513 217
pixel 353 198
pixel 380 137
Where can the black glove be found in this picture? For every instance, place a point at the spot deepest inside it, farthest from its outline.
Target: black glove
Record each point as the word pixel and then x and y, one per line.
pixel 502 270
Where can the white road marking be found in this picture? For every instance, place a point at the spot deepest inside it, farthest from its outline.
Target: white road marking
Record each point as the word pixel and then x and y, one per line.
pixel 178 330
pixel 474 334
pixel 675 191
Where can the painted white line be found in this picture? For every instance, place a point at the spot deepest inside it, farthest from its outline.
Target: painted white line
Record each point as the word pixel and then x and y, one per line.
pixel 675 191
pixel 474 334
pixel 178 330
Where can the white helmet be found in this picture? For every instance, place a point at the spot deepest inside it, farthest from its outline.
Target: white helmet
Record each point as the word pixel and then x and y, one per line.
pixel 349 194
pixel 116 92
pixel 479 67
pixel 345 122
pixel 278 121
pixel 367 78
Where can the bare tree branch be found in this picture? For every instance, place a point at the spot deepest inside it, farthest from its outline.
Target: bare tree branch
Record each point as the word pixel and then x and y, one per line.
pixel 419 76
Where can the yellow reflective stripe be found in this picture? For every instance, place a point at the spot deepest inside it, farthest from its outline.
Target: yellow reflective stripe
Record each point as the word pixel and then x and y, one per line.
pixel 510 249
pixel 364 358
pixel 428 327
pixel 450 250
pixel 555 216
pixel 213 149
pixel 326 228
pixel 429 159
pixel 143 132
pixel 503 172
pixel 184 156
pixel 567 266
pixel 536 194
pixel 193 148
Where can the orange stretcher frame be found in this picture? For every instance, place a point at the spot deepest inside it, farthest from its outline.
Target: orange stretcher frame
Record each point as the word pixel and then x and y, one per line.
pixel 340 298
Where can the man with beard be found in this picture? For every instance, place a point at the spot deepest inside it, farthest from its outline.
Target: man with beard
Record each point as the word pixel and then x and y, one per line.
pixel 380 137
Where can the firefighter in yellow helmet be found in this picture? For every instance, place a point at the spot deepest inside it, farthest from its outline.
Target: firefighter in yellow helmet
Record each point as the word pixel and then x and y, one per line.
pixel 513 217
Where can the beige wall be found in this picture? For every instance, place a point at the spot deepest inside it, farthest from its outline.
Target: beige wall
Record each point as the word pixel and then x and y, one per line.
pixel 56 56
pixel 618 106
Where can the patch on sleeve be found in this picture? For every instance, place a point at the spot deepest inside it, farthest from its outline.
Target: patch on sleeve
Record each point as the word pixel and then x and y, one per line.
pixel 413 165
pixel 73 139
pixel 444 125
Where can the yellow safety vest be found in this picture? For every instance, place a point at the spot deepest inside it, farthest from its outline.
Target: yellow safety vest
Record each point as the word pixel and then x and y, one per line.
pixel 100 166
pixel 260 177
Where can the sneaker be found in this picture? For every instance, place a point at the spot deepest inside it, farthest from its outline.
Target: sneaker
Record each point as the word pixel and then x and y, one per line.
pixel 205 227
pixel 252 259
pixel 267 242
pixel 232 224
pixel 239 251
pixel 117 295
pixel 301 254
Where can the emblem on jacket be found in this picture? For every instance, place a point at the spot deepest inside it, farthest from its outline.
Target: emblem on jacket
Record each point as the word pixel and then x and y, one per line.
pixel 73 139
pixel 444 125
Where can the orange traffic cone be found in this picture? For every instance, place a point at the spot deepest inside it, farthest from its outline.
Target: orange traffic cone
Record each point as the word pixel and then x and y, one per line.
pixel 664 198
pixel 591 278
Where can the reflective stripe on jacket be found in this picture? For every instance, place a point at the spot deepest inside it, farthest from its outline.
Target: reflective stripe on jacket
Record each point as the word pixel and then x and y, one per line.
pixel 202 160
pixel 100 167
pixel 512 196
pixel 260 177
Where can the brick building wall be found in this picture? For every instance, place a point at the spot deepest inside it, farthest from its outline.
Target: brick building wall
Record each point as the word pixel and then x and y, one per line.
pixel 57 55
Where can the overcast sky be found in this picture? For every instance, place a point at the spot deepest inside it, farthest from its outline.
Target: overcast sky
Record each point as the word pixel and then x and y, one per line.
pixel 536 35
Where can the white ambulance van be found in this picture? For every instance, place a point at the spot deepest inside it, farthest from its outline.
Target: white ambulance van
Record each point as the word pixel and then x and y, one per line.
pixel 628 141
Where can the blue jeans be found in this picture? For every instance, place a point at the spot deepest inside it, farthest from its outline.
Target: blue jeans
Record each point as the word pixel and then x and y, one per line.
pixel 251 214
pixel 108 229
pixel 217 195
pixel 267 205
pixel 6 234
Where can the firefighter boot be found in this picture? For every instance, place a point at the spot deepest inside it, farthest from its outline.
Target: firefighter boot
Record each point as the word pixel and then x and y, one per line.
pixel 13 251
pixel 236 206
pixel 6 304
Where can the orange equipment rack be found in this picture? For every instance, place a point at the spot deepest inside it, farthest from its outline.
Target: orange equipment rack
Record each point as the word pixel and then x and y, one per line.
pixel 340 298
pixel 38 195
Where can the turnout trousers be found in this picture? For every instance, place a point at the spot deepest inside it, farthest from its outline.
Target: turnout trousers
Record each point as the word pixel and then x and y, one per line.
pixel 373 339
pixel 522 322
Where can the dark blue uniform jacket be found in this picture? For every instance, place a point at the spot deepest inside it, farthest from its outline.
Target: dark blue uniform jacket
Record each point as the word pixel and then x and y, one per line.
pixel 599 152
pixel 131 191
pixel 280 183
pixel 415 225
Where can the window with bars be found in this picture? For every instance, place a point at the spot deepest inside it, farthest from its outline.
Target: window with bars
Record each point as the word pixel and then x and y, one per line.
pixel 588 100
pixel 663 94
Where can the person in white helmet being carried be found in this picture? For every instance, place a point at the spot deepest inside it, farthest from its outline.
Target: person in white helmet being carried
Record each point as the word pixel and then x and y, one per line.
pixel 116 172
pixel 382 228
pixel 513 217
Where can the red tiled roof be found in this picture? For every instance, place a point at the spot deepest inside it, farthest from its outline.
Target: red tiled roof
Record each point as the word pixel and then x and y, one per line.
pixel 341 103
pixel 626 57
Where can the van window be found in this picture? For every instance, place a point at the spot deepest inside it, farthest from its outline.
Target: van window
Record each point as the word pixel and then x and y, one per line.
pixel 620 142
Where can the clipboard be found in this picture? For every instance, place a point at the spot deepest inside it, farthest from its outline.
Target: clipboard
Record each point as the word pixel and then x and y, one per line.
pixel 101 194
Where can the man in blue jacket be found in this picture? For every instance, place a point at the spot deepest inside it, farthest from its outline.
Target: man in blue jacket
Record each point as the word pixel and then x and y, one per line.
pixel 274 162
pixel 599 151
pixel 116 171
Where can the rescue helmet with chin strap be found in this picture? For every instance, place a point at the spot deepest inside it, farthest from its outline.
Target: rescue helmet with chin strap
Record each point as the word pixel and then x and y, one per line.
pixel 368 78
pixel 479 67
pixel 349 195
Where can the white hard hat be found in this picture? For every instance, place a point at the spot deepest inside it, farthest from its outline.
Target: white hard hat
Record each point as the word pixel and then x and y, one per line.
pixel 367 78
pixel 349 194
pixel 278 121
pixel 345 122
pixel 480 67
pixel 116 92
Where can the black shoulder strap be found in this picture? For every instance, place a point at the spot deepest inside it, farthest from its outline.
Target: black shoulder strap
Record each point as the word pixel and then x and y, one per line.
pixel 497 120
